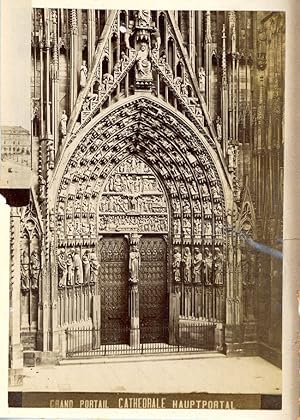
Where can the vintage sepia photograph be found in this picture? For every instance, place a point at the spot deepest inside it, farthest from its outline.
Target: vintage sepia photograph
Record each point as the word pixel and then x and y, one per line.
pixel 146 211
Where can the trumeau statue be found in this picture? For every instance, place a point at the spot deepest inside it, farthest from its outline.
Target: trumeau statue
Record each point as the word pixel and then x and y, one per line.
pixel 134 264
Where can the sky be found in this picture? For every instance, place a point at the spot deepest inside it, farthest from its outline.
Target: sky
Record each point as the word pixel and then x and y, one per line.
pixel 15 63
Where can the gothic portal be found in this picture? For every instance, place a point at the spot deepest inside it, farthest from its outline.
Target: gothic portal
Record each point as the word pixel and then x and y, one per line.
pixel 157 148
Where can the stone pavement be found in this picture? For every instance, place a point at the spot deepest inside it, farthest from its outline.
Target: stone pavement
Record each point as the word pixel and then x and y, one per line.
pixel 206 373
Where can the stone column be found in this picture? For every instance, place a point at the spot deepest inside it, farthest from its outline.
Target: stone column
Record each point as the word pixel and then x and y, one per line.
pixel 134 315
pixel 16 356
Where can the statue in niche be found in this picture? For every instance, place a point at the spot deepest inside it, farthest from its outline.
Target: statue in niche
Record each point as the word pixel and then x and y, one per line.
pixel 207 229
pixel 208 263
pixel 194 190
pixel 78 270
pixel 197 227
pixel 124 60
pixel 134 264
pixel 204 190
pixel 35 268
pixel 86 267
pixel 198 266
pixel 83 74
pixel 70 268
pixel 62 268
pixel 187 265
pixel 143 65
pixel 177 265
pixel 215 191
pixel 94 266
pixel 201 78
pixel 218 267
pixel 219 228
pixel 163 62
pixel 157 39
pixel 24 270
pixel 207 208
pixel 218 209
pixel 63 123
pixel 177 226
pixel 219 127
pixel 128 34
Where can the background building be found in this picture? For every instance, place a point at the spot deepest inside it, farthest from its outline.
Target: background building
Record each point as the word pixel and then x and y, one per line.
pixel 157 153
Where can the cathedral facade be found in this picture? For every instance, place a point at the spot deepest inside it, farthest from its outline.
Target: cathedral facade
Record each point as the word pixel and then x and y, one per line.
pixel 157 193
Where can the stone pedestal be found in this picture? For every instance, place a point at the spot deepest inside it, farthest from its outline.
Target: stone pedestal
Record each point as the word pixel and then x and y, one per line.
pixel 174 318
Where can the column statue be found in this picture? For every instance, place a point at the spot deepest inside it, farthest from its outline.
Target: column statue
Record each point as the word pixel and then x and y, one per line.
pixel 198 265
pixel 208 261
pixel 218 266
pixel 177 265
pixel 70 268
pixel 78 271
pixel 187 265
pixel 94 266
pixel 62 268
pixel 86 267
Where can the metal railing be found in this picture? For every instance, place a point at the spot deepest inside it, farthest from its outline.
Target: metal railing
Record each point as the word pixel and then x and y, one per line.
pixel 185 338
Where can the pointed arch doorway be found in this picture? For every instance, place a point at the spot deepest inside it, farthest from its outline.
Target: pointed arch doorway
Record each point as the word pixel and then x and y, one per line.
pixel 133 213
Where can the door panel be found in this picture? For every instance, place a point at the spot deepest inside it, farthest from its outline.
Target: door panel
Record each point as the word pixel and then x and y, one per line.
pixel 113 272
pixel 153 289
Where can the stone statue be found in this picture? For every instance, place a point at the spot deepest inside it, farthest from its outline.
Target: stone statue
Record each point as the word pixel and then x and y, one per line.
pixel 207 208
pixel 201 77
pixel 157 38
pixel 143 65
pixel 208 261
pixel 63 123
pixel 219 127
pixel 218 266
pixel 70 268
pixel 124 60
pixel 198 265
pixel 94 266
pixel 144 17
pixel 86 267
pixel 78 271
pixel 24 271
pixel 62 268
pixel 177 265
pixel 187 265
pixel 127 34
pixel 207 229
pixel 83 74
pixel 134 264
pixel 35 267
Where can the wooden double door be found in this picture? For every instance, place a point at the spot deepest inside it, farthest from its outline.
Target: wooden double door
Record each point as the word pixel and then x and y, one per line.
pixel 114 289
